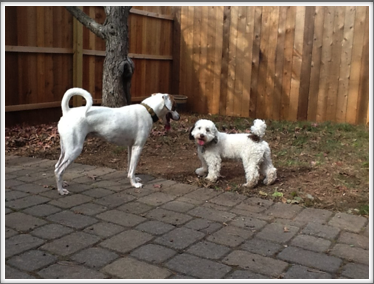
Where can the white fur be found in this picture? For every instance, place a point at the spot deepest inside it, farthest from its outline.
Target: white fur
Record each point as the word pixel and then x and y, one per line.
pixel 126 126
pixel 213 146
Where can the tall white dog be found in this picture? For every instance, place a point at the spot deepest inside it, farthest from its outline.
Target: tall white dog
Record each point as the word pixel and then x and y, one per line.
pixel 254 152
pixel 125 126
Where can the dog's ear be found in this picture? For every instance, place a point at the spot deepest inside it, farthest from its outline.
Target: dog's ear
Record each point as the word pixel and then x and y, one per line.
pixel 215 131
pixel 190 135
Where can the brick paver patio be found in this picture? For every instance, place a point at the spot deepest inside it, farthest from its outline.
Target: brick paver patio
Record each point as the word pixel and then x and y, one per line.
pixel 105 229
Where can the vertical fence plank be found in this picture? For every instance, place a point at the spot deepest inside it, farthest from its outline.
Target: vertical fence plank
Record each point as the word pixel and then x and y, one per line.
pixel 195 58
pixel 279 57
pixel 209 77
pixel 296 63
pixel 358 42
pixel 255 62
pixel 247 66
pixel 302 111
pixel 363 107
pixel 287 65
pixel 316 63
pixel 217 59
pixel 77 59
pixel 225 59
pixel 270 71
pixel 176 50
pixel 336 48
pixel 203 59
pixel 239 70
pixel 325 63
pixel 345 64
pixel 263 62
pixel 40 58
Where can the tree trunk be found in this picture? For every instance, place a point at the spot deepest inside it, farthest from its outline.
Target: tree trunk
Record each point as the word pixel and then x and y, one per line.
pixel 118 67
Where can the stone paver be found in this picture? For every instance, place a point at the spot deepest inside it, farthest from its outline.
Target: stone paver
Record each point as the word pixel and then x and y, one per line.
pixel 22 222
pixel 95 257
pixel 277 233
pixel 348 222
pixel 256 263
pixel 356 271
pixel 70 270
pixel 311 259
pixel 153 253
pixel 311 243
pixel 261 247
pixel 197 267
pixel 179 238
pixel 32 260
pixel 130 268
pixel 126 241
pixel 106 229
pixel 70 243
pixel 230 236
pixel 351 253
pixel 27 201
pixel 302 272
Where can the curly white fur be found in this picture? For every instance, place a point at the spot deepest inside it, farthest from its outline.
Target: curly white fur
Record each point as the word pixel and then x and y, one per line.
pixel 213 145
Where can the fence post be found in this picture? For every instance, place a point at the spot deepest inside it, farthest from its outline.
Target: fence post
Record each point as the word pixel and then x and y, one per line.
pixel 77 58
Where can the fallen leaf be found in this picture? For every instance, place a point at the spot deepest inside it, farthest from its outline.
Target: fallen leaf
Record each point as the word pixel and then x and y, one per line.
pixel 93 177
pixel 285 229
pixel 262 193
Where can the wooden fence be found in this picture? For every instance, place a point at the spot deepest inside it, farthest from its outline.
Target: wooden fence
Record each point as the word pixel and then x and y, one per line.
pixel 48 52
pixel 283 63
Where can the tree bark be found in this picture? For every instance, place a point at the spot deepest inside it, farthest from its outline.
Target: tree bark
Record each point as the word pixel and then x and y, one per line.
pixel 118 67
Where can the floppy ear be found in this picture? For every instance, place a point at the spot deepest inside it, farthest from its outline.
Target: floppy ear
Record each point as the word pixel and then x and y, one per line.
pixel 215 139
pixel 190 135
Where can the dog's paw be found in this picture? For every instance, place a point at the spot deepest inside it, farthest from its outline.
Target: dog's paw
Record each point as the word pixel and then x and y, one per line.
pixel 211 179
pixel 63 191
pixel 138 179
pixel 200 172
pixel 249 184
pixel 137 185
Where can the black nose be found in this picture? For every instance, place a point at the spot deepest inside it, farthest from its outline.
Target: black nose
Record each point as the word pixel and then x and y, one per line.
pixel 202 135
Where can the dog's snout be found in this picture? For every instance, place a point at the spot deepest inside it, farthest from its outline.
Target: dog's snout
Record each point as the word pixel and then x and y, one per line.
pixel 202 135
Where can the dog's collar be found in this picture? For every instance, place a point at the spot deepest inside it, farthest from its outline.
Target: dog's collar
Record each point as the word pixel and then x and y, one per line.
pixel 151 112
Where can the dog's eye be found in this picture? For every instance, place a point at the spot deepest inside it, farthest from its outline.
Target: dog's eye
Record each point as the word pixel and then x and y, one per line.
pixel 207 130
pixel 199 128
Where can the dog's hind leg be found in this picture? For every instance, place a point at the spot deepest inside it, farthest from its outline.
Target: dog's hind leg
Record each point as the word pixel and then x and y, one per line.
pixel 69 156
pixel 267 169
pixel 251 167
pixel 61 155
pixel 135 155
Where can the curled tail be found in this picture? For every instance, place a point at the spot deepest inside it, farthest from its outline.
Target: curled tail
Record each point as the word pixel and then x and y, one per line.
pixel 257 130
pixel 75 92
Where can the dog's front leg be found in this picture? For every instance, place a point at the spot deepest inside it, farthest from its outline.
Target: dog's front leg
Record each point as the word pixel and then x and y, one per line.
pixel 134 155
pixel 214 167
pixel 204 169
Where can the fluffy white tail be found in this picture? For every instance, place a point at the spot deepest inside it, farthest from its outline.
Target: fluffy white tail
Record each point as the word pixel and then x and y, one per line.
pixel 75 92
pixel 258 128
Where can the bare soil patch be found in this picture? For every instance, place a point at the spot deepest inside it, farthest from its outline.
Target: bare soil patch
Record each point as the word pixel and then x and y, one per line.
pixel 319 165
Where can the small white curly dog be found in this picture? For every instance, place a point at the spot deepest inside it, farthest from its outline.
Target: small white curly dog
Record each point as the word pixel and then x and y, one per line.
pixel 254 152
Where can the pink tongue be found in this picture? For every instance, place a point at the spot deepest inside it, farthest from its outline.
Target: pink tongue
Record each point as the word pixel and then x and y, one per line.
pixel 201 142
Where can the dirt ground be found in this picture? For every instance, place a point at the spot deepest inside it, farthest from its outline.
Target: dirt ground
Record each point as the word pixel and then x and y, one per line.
pixel 309 173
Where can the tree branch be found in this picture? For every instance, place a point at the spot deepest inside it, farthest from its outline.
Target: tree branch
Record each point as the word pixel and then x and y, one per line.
pixel 88 22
